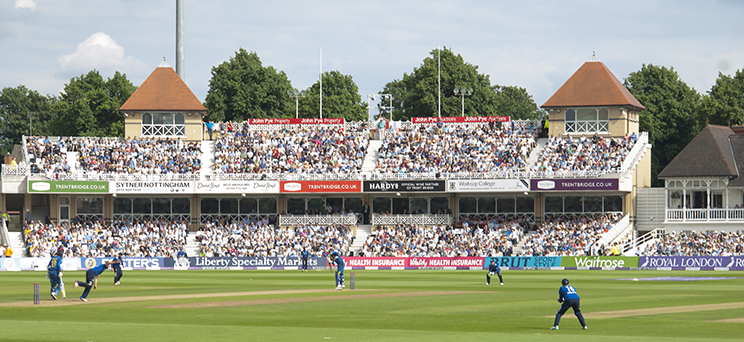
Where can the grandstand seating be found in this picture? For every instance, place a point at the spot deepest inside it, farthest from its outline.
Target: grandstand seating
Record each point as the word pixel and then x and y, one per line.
pixel 583 154
pixel 97 239
pixel 456 148
pixel 574 235
pixel 300 150
pixel 256 239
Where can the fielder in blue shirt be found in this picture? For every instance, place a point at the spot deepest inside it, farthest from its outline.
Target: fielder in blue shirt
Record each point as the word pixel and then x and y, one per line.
pixel 493 268
pixel 304 256
pixel 570 299
pixel 117 269
pixel 54 268
pixel 91 278
pixel 335 259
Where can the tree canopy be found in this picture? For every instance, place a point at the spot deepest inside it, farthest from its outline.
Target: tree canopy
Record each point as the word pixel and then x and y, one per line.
pixel 243 88
pixel 89 106
pixel 724 103
pixel 417 93
pixel 517 103
pixel 341 99
pixel 16 105
pixel 671 111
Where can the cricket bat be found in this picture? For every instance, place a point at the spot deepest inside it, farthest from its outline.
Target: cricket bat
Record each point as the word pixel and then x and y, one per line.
pixel 62 288
pixel 330 267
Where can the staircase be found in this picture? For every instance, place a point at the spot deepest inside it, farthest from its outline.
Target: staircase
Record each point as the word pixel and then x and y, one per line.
pixel 192 246
pixel 373 152
pixel 16 243
pixel 536 152
pixel 363 230
pixel 520 245
pixel 207 158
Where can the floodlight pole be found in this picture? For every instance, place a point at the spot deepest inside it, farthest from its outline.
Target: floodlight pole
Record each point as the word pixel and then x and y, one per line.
pixel 462 92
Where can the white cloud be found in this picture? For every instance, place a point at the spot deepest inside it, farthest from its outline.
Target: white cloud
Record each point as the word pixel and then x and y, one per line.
pixel 30 4
pixel 100 52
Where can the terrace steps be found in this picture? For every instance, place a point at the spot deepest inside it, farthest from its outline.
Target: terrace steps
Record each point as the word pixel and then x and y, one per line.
pixel 16 243
pixel 536 152
pixel 363 230
pixel 192 246
pixel 370 159
pixel 520 245
pixel 207 157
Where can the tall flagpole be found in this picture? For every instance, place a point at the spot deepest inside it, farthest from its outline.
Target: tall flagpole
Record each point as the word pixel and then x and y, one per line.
pixel 439 78
pixel 321 81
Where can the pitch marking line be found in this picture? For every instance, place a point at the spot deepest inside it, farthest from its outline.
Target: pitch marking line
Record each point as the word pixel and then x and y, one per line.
pixel 251 302
pixel 730 320
pixel 663 310
pixel 75 300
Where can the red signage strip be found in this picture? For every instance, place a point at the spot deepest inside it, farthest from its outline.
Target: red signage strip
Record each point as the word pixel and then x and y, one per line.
pixel 320 186
pixel 454 119
pixel 415 262
pixel 305 121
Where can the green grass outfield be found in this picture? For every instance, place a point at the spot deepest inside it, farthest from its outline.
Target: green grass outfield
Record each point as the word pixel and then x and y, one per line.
pixel 387 305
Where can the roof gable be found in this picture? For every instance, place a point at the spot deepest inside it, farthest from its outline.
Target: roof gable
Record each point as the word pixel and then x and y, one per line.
pixel 593 85
pixel 163 90
pixel 709 154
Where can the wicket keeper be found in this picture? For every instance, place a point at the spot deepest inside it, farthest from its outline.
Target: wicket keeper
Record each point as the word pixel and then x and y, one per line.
pixel 493 268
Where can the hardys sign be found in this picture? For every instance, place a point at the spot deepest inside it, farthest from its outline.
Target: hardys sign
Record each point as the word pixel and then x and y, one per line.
pixel 404 186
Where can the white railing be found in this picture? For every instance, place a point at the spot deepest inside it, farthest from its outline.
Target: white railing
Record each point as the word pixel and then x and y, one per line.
pixel 705 215
pixel 323 220
pixel 618 229
pixel 15 170
pixel 635 153
pixel 420 219
pixel 655 234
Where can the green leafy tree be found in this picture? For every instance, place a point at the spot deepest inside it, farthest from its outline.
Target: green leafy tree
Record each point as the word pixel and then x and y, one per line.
pixel 16 105
pixel 416 94
pixel 341 99
pixel 724 103
pixel 242 88
pixel 89 106
pixel 671 111
pixel 517 103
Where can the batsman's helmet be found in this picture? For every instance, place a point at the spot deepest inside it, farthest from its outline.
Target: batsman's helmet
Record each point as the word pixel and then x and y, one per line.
pixel 564 281
pixel 60 251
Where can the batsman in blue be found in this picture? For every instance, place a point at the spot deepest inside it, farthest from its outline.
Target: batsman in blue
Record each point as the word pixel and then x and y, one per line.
pixel 54 268
pixel 335 259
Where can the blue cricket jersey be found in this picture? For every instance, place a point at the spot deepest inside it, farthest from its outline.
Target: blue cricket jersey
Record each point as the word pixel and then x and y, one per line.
pixel 337 259
pixel 567 292
pixel 305 254
pixel 99 269
pixel 117 266
pixel 494 268
pixel 55 265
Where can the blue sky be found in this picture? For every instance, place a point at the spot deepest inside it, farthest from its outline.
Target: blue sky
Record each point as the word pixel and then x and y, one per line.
pixel 536 45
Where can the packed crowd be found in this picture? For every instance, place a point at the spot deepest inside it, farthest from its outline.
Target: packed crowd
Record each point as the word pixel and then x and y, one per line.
pixel 250 238
pixel 107 155
pixel 583 154
pixel 697 244
pixel 301 149
pixel 97 239
pixel 480 240
pixel 575 235
pixel 457 148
